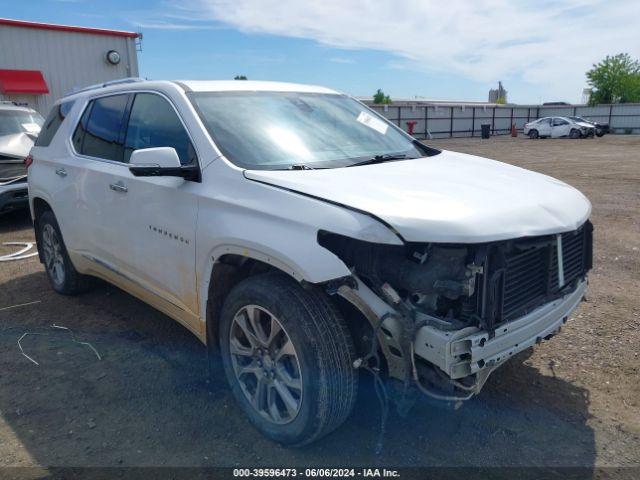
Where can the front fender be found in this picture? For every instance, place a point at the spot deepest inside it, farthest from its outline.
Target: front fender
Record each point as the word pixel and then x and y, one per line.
pixel 279 227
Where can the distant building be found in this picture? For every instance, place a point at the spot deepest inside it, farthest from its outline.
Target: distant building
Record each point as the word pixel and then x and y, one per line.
pixel 41 62
pixel 586 95
pixel 496 94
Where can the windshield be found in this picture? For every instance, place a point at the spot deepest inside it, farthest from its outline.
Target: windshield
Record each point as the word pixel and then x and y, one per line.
pixel 282 130
pixel 18 121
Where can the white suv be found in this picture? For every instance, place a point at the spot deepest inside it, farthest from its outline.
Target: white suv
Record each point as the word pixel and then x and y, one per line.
pixel 303 238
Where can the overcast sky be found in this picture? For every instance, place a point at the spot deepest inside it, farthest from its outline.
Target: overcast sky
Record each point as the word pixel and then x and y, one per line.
pixel 450 49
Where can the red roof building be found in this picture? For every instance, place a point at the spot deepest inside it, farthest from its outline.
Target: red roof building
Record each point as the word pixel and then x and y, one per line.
pixel 40 62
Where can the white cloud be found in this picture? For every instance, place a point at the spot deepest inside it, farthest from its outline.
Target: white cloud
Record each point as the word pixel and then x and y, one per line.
pixel 171 15
pixel 169 25
pixel 341 60
pixel 548 43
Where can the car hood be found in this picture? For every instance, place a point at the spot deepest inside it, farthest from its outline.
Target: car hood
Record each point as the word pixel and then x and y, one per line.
pixel 449 197
pixel 16 145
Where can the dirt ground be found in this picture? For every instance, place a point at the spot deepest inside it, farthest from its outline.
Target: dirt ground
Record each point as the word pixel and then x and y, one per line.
pixel 573 401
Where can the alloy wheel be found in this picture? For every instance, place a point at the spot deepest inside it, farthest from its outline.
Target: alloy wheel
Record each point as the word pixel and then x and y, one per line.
pixel 53 257
pixel 266 365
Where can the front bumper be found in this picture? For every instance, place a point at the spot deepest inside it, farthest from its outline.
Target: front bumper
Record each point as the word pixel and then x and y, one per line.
pixel 587 132
pixel 471 350
pixel 13 196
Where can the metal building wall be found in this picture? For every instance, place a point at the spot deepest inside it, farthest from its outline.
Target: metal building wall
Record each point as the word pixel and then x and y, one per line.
pixel 68 60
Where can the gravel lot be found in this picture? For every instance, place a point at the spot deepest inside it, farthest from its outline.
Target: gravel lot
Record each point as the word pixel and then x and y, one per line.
pixel 573 401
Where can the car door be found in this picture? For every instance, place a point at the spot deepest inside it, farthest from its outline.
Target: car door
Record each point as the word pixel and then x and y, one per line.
pixel 544 127
pixel 560 127
pixel 97 143
pixel 156 216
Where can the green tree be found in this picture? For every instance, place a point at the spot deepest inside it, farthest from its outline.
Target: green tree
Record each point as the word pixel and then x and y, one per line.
pixel 380 98
pixel 240 77
pixel 616 79
pixel 501 101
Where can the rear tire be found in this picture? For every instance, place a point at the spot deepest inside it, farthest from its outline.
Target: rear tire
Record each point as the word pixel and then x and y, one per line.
pixel 533 134
pixel 62 275
pixel 295 397
pixel 600 132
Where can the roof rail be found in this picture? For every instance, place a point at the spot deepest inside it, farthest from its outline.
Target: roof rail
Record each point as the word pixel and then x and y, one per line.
pixel 106 84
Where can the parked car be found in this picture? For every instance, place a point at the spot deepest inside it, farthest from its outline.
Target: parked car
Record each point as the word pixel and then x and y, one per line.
pixel 601 128
pixel 305 239
pixel 19 126
pixel 556 127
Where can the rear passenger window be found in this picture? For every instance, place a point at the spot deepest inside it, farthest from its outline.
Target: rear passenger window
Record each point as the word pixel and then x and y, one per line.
pixel 52 123
pixel 154 123
pixel 99 133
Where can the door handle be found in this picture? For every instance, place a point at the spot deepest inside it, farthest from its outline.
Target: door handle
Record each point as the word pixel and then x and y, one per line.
pixel 61 172
pixel 118 187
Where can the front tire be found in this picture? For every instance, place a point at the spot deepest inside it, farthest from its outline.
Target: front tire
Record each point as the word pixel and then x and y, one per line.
pixel 288 357
pixel 575 133
pixel 62 275
pixel 533 134
pixel 600 132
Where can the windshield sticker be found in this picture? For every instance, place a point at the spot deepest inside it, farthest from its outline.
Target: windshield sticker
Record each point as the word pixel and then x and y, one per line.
pixel 31 127
pixel 373 122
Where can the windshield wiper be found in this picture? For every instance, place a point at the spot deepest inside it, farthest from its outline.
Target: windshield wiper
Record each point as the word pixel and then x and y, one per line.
pixel 300 166
pixel 380 159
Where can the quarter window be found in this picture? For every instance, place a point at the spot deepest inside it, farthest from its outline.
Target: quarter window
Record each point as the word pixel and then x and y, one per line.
pixel 78 135
pixel 52 123
pixel 99 133
pixel 154 123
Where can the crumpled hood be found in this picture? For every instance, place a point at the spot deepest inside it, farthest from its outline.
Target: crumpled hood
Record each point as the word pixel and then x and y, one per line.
pixel 450 197
pixel 16 145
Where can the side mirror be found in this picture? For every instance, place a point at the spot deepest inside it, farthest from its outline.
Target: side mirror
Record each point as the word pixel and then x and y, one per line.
pixel 161 162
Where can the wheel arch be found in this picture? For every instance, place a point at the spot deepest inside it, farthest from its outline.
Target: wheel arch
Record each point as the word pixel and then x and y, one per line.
pixel 226 272
pixel 231 268
pixel 226 261
pixel 38 206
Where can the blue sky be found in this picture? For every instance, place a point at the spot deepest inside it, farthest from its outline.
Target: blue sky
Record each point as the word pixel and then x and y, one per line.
pixel 442 50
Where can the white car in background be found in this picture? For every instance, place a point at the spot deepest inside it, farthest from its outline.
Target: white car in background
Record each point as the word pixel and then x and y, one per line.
pixel 19 127
pixel 304 238
pixel 556 127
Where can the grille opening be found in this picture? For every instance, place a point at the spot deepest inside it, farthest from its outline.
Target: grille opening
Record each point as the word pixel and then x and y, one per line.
pixel 529 270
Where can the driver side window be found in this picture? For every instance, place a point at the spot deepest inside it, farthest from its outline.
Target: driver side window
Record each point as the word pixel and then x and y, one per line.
pixel 154 123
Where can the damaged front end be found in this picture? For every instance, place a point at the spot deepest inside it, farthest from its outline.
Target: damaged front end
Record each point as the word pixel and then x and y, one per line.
pixel 446 315
pixel 13 183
